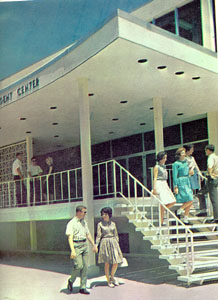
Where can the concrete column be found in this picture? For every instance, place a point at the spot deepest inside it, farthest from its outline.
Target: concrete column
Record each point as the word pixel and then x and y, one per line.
pixel 212 124
pixel 208 33
pixel 158 124
pixel 29 151
pixel 85 145
pixel 33 236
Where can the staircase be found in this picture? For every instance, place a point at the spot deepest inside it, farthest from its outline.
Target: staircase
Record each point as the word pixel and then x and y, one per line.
pixel 192 251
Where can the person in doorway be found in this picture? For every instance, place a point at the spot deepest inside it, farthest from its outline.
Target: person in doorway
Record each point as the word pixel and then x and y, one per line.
pixel 109 250
pixel 48 183
pixel 18 176
pixel 182 185
pixel 34 170
pixel 78 233
pixel 160 185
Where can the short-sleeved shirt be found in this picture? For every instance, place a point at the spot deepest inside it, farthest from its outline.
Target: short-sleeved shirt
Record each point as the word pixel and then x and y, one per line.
pixel 78 228
pixel 212 163
pixel 34 170
pixel 16 164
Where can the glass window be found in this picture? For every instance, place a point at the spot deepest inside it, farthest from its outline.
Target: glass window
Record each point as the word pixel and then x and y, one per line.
pixel 171 135
pixel 149 141
pixel 167 22
pixel 127 145
pixel 190 22
pixel 194 130
pixel 101 152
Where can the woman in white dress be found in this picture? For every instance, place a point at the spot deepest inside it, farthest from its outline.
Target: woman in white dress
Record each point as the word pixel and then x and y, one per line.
pixel 160 185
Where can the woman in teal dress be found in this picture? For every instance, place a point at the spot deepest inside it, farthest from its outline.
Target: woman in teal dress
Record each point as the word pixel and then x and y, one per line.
pixel 181 183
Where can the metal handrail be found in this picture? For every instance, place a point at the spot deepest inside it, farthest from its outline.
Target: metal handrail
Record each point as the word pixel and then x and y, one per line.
pixel 110 180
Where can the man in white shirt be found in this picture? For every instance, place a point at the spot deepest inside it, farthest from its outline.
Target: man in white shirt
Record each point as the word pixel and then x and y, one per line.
pixel 17 172
pixel 78 234
pixel 212 169
pixel 34 170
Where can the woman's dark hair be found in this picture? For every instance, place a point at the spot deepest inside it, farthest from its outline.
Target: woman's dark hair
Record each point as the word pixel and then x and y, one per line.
pixel 106 210
pixel 178 152
pixel 188 147
pixel 160 155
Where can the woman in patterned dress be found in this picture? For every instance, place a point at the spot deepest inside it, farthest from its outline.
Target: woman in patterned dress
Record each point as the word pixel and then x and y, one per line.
pixel 160 185
pixel 181 183
pixel 109 252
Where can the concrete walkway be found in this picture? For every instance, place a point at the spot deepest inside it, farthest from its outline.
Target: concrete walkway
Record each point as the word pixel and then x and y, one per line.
pixel 44 278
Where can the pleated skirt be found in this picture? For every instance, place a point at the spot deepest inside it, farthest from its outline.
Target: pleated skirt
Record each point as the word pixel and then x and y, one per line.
pixel 164 192
pixel 110 251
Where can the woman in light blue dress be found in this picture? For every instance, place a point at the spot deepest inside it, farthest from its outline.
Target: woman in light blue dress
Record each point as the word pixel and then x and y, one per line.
pixel 181 183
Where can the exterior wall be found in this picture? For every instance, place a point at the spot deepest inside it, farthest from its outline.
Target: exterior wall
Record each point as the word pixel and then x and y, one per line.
pixel 51 236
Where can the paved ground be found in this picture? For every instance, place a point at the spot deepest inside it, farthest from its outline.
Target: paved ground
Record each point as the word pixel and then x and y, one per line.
pixel 43 277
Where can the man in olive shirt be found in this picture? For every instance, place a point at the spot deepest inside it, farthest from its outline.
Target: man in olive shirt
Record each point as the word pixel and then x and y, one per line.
pixel 78 234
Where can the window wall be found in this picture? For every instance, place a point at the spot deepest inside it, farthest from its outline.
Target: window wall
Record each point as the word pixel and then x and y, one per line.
pixel 184 21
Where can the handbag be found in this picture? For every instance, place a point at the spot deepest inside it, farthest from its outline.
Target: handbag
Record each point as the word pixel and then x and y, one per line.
pixel 124 263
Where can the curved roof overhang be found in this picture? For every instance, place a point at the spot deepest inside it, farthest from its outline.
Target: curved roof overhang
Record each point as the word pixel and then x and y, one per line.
pixel 109 59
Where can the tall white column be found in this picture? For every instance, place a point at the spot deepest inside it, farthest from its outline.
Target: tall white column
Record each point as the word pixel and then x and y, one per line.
pixel 29 151
pixel 85 145
pixel 212 124
pixel 158 124
pixel 208 33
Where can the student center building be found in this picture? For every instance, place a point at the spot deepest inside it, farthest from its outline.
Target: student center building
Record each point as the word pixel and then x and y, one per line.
pixel 102 108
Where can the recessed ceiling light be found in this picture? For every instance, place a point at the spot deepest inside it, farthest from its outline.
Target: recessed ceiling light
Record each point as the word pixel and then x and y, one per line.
pixel 180 114
pixel 151 108
pixel 142 60
pixel 59 146
pixel 56 136
pixel 179 73
pixel 142 124
pixel 196 78
pixel 115 119
pixel 161 67
pixel 22 119
pixel 123 101
pixel 53 107
pixel 28 131
pixel 111 132
pixel 91 94
pixel 54 123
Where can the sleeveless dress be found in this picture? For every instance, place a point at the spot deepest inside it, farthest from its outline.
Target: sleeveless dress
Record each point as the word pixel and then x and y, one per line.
pixel 181 180
pixel 107 236
pixel 164 192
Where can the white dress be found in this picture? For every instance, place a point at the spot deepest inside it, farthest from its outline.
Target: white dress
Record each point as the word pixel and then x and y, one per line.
pixel 164 193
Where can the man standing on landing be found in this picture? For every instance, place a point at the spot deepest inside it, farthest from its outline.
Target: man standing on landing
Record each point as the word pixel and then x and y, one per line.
pixel 78 234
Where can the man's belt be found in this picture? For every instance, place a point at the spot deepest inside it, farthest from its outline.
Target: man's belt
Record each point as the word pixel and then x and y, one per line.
pixel 79 241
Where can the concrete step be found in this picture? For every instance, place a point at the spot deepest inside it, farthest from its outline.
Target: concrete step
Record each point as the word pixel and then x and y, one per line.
pixel 199 277
pixel 197 265
pixel 183 245
pixel 173 227
pixel 197 254
pixel 181 235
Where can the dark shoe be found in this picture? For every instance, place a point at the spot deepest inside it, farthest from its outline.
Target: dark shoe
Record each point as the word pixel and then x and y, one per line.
pixel 84 291
pixel 70 285
pixel 201 214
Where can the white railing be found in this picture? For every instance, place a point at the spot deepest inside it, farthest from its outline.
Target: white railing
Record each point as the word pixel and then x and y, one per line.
pixel 110 179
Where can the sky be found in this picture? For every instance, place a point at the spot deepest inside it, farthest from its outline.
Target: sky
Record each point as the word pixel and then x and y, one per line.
pixel 33 30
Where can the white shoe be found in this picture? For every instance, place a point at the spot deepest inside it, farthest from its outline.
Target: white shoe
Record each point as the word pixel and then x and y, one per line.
pixel 180 211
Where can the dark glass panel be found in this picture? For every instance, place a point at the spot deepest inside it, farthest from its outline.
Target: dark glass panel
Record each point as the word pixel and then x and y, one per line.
pixel 149 141
pixel 194 130
pixel 167 22
pixel 171 135
pixel 190 22
pixel 127 145
pixel 101 152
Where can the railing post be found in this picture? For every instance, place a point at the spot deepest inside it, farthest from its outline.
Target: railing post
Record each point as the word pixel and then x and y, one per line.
pixel 115 179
